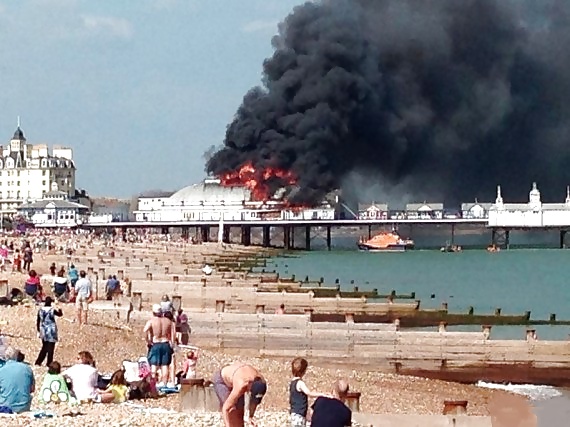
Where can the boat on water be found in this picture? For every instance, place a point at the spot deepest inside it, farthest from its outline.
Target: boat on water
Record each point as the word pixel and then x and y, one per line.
pixel 386 241
pixel 451 248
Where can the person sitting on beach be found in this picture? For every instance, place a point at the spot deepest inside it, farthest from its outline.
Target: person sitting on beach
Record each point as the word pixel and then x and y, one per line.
pixel 54 388
pixel 158 333
pixel 60 286
pixel 231 383
pixel 16 382
pixel 189 366
pixel 331 411
pixel 32 287
pixel 281 309
pixel 84 376
pixel 299 393
pixel 117 391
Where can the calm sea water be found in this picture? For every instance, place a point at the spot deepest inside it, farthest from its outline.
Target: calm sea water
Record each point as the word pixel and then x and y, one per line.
pixel 516 280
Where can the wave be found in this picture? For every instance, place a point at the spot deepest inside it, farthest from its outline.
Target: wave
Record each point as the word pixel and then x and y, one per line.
pixel 534 392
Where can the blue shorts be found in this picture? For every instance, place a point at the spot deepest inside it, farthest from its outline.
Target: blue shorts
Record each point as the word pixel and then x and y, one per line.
pixel 160 354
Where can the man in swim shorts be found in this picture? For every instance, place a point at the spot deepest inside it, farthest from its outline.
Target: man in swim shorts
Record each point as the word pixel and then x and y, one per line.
pixel 158 332
pixel 231 383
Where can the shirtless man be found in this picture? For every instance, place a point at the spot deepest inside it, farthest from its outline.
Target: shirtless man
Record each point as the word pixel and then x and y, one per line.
pixel 231 383
pixel 158 333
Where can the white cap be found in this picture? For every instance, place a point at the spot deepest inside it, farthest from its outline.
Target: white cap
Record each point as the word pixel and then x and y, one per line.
pixel 156 308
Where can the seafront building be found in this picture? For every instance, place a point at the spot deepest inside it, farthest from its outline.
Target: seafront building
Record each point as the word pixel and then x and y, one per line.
pixel 533 214
pixel 28 172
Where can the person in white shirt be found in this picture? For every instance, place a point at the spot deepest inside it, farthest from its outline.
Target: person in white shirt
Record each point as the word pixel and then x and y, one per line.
pixel 83 295
pixel 83 376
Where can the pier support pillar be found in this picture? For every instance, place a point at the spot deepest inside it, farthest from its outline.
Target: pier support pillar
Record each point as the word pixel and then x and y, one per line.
pixel 246 235
pixel 185 233
pixel 369 231
pixel 266 236
pixel 286 237
pixel 501 238
pixel 452 234
pixel 563 244
pixel 292 238
pixel 205 233
pixel 328 237
pixel 308 237
pixel 226 234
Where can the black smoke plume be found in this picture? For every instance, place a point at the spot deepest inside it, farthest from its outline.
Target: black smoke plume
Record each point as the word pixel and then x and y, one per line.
pixel 453 97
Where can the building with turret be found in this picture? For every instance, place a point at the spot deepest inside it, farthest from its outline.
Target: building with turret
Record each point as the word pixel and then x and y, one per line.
pixel 531 214
pixel 28 172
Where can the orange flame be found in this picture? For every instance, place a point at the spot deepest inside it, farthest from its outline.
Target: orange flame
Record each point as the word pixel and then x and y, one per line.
pixel 256 179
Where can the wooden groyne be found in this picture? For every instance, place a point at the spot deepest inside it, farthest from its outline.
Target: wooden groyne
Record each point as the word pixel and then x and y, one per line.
pixel 457 356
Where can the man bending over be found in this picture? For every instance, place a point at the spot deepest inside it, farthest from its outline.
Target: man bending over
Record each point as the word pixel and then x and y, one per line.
pixel 231 383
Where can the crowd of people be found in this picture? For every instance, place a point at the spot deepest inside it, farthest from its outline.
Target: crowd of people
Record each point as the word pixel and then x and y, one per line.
pixel 167 335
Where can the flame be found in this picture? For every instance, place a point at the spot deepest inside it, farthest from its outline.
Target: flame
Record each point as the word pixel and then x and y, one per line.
pixel 256 179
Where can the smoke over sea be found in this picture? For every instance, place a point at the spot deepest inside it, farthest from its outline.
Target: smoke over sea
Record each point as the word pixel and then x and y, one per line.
pixel 446 98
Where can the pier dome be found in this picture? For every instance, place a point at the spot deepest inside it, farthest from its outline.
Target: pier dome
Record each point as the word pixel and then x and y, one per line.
pixel 210 191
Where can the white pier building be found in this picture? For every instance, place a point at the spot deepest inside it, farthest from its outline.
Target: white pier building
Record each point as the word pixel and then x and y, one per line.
pixel 533 214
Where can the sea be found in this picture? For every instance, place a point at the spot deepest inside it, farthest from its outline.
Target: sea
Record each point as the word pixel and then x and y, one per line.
pixel 516 281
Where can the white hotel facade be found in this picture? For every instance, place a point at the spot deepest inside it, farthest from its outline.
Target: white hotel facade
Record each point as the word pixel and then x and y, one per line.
pixel 29 172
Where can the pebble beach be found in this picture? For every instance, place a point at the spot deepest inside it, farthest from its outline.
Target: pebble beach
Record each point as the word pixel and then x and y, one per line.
pixel 111 341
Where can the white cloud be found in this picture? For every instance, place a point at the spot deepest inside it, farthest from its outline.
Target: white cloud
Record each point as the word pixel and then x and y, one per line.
pixel 118 27
pixel 260 25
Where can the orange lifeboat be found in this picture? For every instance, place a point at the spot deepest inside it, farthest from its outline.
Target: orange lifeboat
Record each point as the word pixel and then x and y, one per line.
pixel 385 242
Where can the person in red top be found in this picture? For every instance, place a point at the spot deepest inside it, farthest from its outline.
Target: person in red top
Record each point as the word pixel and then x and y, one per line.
pixel 33 288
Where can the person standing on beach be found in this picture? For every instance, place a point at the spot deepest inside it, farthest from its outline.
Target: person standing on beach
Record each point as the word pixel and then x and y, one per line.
pixel 299 393
pixel 332 412
pixel 83 296
pixel 47 330
pixel 158 332
pixel 231 383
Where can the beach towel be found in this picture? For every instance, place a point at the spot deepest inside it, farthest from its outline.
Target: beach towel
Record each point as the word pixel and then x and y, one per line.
pixel 54 389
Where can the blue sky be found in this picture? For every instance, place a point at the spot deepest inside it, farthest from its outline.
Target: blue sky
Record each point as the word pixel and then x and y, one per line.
pixel 140 89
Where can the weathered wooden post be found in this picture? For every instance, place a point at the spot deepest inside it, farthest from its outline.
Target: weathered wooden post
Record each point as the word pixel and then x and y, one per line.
pixel 353 401
pixel 4 288
pixel 455 407
pixel 137 300
pixel 176 302
pixel 195 396
pixel 486 331
pixel 220 306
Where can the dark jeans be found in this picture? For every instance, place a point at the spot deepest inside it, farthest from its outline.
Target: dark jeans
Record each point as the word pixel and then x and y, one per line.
pixel 47 350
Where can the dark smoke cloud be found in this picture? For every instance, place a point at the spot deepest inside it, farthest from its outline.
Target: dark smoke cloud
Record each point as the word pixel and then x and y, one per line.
pixel 454 97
